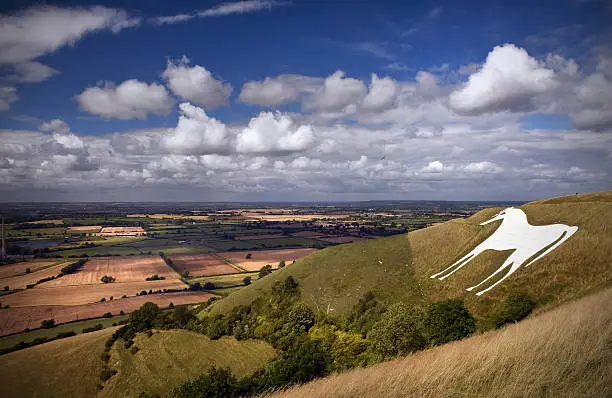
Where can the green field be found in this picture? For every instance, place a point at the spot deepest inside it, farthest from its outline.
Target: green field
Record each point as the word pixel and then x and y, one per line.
pixel 225 281
pixel 168 358
pixel 77 327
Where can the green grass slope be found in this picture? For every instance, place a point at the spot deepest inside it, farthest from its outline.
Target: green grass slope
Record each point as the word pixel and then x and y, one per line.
pixel 561 353
pixel 168 358
pixel 398 267
pixel 71 367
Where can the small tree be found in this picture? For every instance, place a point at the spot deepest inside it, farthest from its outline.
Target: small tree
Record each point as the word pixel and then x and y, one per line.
pixel 447 321
pixel 265 270
pixel 517 306
pixel 248 256
pixel 28 271
pixel 399 331
pixel 281 264
pixel 209 286
pixel 47 324
pixel 301 317
pixel 246 280
pixel 107 279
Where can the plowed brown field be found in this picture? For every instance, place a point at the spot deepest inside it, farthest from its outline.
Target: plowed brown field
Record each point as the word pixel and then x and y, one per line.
pixel 22 281
pixel 83 294
pixel 9 270
pixel 202 264
pixel 123 269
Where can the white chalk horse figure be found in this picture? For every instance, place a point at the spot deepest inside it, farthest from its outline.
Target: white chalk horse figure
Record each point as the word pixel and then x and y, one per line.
pixel 516 233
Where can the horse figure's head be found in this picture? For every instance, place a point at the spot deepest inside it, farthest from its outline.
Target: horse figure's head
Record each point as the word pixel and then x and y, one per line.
pixel 510 212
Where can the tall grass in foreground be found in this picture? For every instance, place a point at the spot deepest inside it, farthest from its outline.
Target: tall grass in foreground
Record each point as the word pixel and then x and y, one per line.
pixel 565 352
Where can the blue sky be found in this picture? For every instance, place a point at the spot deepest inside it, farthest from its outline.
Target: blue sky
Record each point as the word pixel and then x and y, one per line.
pixel 551 58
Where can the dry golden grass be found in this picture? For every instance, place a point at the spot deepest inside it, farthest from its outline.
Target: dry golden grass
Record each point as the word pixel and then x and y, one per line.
pixel 62 368
pixel 566 352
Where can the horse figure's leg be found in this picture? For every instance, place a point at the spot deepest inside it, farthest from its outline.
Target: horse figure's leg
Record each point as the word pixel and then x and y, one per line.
pixel 564 236
pixel 461 262
pixel 509 262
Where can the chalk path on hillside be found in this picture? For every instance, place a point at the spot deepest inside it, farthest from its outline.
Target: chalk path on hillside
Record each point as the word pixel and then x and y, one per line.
pixel 514 233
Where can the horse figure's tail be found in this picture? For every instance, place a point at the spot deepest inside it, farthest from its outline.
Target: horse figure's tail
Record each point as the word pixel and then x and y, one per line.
pixel 569 231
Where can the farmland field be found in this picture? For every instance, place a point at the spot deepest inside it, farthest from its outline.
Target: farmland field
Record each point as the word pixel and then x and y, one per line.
pixel 77 327
pixel 85 228
pixel 262 257
pixel 15 269
pixel 130 269
pixel 202 264
pixel 83 294
pixel 22 281
pixel 16 319
pixel 255 237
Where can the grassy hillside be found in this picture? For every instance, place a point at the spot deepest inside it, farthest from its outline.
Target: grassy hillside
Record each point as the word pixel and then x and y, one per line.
pixel 564 352
pixel 168 358
pixel 398 268
pixel 71 367
pixel 61 368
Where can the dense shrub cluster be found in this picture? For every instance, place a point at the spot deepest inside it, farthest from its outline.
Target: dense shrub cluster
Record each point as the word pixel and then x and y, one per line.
pixel 517 306
pixel 71 268
pixel 155 278
pixel 309 345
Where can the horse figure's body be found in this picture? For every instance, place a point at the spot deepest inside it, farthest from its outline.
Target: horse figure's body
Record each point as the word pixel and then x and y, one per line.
pixel 514 233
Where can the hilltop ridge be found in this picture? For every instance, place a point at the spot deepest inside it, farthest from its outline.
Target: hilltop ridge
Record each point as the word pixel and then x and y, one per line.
pixel 398 268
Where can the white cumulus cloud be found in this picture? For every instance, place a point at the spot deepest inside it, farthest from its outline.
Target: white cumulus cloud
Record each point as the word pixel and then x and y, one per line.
pixel 336 93
pixel 132 99
pixel 507 81
pixel 274 132
pixel 196 133
pixel 196 84
pixel 382 93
